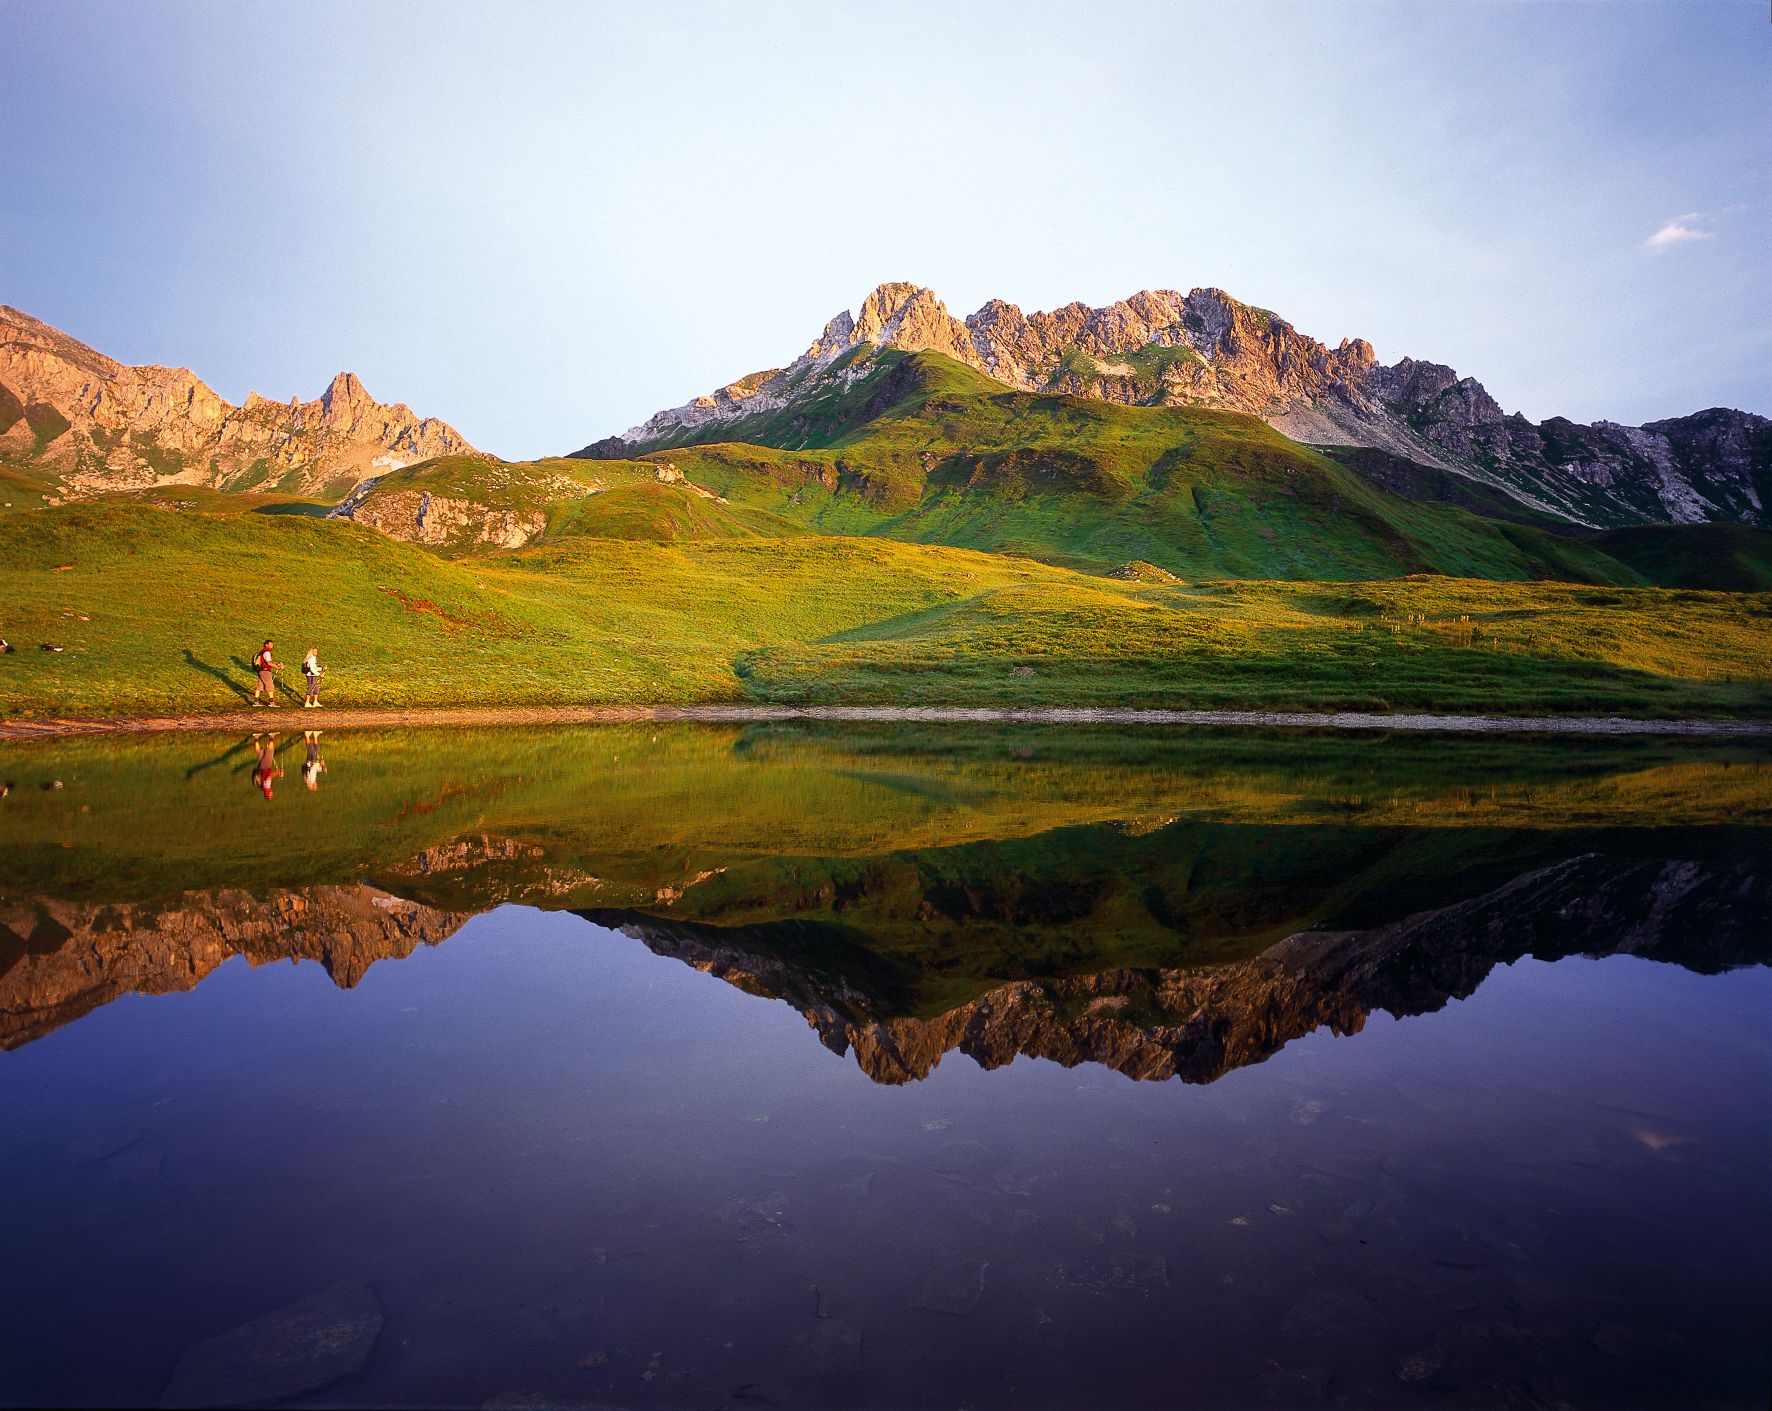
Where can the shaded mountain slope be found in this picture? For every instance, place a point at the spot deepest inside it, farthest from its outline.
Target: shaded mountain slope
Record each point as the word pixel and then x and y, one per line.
pixel 1731 558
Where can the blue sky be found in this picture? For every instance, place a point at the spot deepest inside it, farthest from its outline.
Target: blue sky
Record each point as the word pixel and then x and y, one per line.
pixel 545 222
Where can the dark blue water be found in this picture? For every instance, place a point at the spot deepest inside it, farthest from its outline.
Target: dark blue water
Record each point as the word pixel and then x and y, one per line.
pixel 540 1144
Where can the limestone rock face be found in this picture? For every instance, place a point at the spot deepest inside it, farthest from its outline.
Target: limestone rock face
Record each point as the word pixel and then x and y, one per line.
pixel 96 425
pixel 420 517
pixel 1204 348
pixel 500 506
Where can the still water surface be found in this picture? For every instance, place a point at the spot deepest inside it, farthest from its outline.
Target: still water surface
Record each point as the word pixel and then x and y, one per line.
pixel 745 1068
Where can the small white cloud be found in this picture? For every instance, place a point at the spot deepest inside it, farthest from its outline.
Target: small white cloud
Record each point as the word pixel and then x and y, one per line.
pixel 1680 231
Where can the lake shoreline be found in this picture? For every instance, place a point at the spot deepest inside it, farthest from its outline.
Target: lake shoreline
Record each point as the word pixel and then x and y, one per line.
pixel 357 719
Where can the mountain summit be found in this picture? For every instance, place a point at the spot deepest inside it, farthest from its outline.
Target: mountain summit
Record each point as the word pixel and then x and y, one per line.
pixel 86 422
pixel 1204 348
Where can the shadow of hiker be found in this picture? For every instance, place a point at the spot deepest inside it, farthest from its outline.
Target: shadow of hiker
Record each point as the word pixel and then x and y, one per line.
pixel 221 758
pixel 197 664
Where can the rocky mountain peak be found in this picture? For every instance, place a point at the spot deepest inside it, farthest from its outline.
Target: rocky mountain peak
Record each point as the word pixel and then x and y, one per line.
pixel 911 317
pixel 92 424
pixel 345 389
pixel 1206 348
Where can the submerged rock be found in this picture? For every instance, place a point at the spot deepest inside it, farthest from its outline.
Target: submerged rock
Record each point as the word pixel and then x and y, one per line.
pixel 829 1348
pixel 1124 1273
pixel 306 1345
pixel 1291 1385
pixel 1616 1340
pixel 1330 1314
pixel 954 1288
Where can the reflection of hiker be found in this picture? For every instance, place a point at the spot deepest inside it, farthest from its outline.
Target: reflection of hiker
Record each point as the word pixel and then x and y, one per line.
pixel 264 666
pixel 265 771
pixel 311 668
pixel 315 766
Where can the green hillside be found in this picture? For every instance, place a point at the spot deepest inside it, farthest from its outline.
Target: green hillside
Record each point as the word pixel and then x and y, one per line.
pixel 22 487
pixel 158 609
pixel 917 536
pixel 925 450
pixel 1730 558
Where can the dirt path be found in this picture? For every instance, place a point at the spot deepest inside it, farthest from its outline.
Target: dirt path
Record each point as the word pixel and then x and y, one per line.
pixel 293 718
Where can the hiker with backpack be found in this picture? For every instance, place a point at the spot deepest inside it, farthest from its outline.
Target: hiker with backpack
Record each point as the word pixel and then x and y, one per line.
pixel 264 665
pixel 311 668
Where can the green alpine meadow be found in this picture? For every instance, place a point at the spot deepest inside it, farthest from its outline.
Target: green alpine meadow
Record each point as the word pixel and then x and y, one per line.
pixel 916 534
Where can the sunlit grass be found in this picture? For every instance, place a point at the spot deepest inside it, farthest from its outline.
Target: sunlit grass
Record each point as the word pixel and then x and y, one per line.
pixel 160 610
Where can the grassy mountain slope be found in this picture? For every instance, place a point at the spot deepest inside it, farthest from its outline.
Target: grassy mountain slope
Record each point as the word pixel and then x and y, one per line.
pixel 462 505
pixel 1418 643
pixel 1414 481
pixel 158 609
pixel 27 487
pixel 1730 558
pixel 925 450
pixel 917 535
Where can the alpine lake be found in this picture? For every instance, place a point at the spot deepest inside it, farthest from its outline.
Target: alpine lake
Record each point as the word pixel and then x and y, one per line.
pixel 886 1066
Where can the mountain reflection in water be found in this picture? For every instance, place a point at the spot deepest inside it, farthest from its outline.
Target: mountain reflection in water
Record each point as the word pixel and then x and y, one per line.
pixel 568 1169
pixel 1186 944
pixel 1193 1022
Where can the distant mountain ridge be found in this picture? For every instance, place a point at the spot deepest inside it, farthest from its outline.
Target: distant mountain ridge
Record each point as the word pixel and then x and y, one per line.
pixel 1204 348
pixel 89 423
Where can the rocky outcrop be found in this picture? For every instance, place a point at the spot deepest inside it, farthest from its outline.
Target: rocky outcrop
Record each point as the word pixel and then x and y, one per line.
pixel 299 1348
pixel 1204 348
pixel 420 517
pixel 62 959
pixel 95 425
pixel 496 505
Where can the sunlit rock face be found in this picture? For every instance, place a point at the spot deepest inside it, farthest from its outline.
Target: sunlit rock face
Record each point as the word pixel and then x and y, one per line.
pixel 97 424
pixel 62 959
pixel 1204 348
pixel 420 517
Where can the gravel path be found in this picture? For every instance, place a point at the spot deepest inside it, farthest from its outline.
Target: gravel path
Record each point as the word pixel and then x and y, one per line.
pixel 294 718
